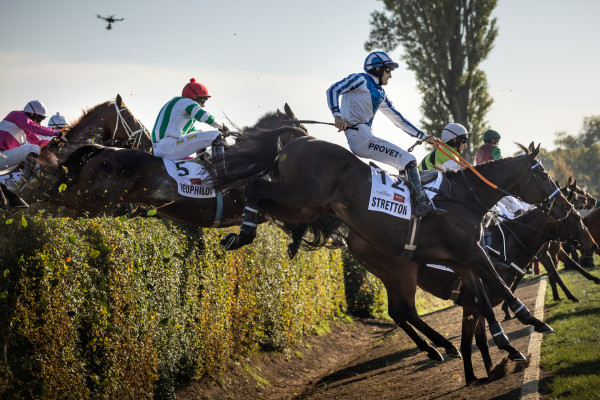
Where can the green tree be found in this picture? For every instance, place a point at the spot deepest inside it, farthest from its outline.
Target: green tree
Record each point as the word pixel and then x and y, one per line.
pixel 444 43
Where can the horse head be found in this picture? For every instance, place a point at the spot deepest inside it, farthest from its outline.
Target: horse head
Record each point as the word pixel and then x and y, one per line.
pixel 571 229
pixel 538 187
pixel 109 123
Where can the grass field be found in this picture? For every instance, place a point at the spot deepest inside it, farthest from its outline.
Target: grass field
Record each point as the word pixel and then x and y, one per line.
pixel 572 352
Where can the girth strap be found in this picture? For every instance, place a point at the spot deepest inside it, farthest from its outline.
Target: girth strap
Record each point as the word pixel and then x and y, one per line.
pixel 219 210
pixel 457 289
pixel 411 237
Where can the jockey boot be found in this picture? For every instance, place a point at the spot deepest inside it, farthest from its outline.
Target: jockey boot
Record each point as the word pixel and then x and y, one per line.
pixel 423 206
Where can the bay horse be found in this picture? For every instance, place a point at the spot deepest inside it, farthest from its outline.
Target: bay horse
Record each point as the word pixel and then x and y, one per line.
pixel 108 122
pixel 312 177
pixel 99 179
pixel 522 238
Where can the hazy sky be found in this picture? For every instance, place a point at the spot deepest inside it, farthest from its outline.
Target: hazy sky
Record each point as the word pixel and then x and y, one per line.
pixel 254 56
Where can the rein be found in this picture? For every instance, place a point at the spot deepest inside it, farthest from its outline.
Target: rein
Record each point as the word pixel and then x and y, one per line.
pixel 133 136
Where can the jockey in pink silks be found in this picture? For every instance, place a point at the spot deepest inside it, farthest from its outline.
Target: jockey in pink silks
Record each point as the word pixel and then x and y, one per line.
pixel 19 140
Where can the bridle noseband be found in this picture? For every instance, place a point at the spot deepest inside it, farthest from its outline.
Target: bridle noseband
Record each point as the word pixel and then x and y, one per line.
pixel 135 137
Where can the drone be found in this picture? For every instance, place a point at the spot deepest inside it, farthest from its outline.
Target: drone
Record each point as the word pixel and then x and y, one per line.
pixel 110 19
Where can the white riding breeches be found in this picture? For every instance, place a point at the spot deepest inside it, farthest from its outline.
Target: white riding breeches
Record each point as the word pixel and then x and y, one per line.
pixel 364 144
pixel 179 148
pixel 9 159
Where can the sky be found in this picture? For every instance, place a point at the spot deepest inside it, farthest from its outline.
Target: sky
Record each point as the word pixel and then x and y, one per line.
pixel 255 56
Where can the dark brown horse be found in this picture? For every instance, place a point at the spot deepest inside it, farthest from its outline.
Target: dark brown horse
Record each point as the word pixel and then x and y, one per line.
pixel 522 238
pixel 312 177
pixel 99 179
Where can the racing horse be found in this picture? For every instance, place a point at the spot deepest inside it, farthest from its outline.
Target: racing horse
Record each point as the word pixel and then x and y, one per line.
pixel 522 237
pixel 108 122
pixel 98 179
pixel 313 177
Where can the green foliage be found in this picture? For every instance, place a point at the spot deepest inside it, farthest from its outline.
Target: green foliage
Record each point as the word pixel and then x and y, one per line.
pixel 365 294
pixel 444 44
pixel 130 309
pixel 572 352
pixel 577 156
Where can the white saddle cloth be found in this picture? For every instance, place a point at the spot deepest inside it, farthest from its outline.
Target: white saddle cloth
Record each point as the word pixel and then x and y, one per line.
pixel 192 179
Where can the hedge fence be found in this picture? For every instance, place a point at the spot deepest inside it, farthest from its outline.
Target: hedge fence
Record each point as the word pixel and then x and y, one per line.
pixel 130 309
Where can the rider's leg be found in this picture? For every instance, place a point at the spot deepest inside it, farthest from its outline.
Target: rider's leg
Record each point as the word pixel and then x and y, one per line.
pixel 29 169
pixel 178 149
pixel 423 206
pixel 364 144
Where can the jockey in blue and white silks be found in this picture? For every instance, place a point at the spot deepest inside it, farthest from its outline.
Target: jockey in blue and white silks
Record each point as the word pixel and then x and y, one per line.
pixel 362 96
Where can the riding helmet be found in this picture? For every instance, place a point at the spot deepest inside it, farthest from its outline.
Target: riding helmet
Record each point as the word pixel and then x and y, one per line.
pixel 379 59
pixel 453 130
pixel 194 89
pixel 489 135
pixel 57 121
pixel 35 107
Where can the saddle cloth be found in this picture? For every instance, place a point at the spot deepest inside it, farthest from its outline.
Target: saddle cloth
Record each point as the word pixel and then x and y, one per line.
pixel 11 180
pixel 392 195
pixel 192 179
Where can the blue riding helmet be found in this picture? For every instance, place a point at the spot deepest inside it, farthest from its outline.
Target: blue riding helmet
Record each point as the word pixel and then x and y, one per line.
pixel 379 59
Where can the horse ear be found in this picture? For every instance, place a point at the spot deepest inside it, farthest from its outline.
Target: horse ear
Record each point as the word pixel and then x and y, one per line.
pixel 119 100
pixel 289 112
pixel 570 181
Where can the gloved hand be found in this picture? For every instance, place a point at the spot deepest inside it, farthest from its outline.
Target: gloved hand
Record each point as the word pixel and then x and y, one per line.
pixel 224 130
pixel 340 124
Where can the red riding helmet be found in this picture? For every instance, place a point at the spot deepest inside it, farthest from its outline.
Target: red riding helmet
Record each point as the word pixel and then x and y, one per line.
pixel 194 89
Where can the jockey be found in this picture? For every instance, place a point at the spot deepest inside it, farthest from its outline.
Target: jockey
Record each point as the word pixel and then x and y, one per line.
pixel 19 140
pixel 57 121
pixel 490 150
pixel 362 95
pixel 174 136
pixel 455 136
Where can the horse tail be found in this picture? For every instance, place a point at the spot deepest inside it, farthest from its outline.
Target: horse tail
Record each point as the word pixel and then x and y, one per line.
pixel 71 167
pixel 326 231
pixel 253 154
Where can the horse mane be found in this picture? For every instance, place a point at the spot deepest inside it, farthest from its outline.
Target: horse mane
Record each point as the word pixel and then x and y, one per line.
pixel 487 165
pixel 87 115
pixel 72 165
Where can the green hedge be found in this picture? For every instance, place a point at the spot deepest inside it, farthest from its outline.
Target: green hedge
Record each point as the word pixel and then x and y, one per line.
pixel 129 309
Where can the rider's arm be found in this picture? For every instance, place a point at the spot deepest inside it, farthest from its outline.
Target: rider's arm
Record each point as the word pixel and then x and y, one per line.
pixel 200 115
pixel 344 86
pixel 496 153
pixel 394 115
pixel 32 130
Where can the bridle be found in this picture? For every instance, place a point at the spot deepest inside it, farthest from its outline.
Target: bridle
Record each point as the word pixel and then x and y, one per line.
pixel 135 137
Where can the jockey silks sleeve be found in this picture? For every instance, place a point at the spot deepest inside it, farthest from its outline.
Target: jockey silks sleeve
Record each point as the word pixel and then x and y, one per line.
pixel 361 98
pixel 177 118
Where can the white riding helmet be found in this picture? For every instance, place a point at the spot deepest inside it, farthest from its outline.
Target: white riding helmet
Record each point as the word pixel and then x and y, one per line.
pixel 379 59
pixel 57 121
pixel 35 107
pixel 453 130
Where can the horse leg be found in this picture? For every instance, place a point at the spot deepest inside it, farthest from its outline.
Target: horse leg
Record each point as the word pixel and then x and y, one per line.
pixel 469 323
pixel 568 261
pixel 485 270
pixel 3 202
pixel 269 196
pixel 551 268
pixel 298 231
pixel 480 299
pixel 398 310
pixel 12 199
pixel 513 287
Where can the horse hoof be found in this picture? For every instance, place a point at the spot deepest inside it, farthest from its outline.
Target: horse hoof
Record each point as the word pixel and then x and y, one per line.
pixel 544 328
pixel 517 356
pixel 453 352
pixel 231 242
pixel 434 355
pixel 508 317
pixel 292 250
pixel 597 281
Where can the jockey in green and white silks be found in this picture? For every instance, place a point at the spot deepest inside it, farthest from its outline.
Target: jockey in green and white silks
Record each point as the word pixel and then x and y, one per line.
pixel 456 137
pixel 173 136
